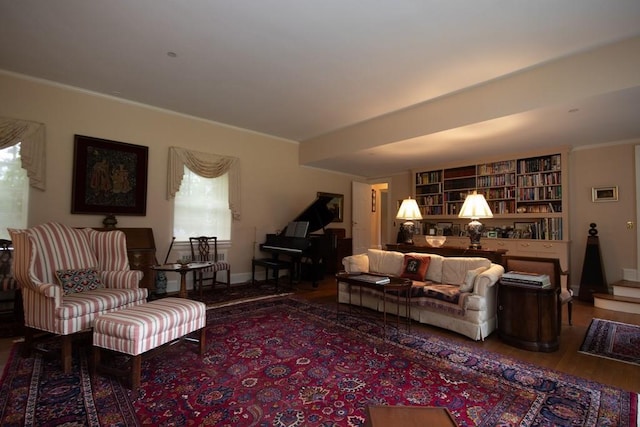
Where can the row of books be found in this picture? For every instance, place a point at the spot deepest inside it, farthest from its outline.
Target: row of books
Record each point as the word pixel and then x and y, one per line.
pixel 526 279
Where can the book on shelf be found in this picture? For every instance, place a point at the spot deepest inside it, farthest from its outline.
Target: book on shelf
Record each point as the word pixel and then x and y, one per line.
pixel 370 278
pixel 525 278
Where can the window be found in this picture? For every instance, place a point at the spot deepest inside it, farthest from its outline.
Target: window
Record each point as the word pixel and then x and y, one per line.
pixel 14 191
pixel 202 207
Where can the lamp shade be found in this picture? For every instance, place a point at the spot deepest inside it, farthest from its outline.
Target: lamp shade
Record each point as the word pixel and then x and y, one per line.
pixel 475 206
pixel 409 210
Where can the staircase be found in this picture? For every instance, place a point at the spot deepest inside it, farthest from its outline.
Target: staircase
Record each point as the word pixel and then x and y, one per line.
pixel 625 298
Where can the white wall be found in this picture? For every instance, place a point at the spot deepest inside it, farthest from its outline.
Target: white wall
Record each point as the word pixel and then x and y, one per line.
pixel 274 187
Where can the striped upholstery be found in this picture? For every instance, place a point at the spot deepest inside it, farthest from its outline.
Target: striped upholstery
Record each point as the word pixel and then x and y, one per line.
pixel 110 249
pixel 139 329
pixel 59 247
pixel 43 249
pixel 219 266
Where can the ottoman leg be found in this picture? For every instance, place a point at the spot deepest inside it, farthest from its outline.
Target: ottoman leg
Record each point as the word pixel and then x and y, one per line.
pixel 203 341
pixel 96 359
pixel 136 371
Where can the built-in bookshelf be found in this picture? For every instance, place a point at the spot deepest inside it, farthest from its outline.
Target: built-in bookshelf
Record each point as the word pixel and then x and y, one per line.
pixel 524 194
pixel 429 192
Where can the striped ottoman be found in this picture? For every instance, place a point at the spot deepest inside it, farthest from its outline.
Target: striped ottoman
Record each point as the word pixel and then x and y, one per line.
pixel 138 330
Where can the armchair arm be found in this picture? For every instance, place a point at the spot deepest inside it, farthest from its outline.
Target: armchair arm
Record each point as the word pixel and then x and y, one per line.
pixel 356 263
pixel 122 279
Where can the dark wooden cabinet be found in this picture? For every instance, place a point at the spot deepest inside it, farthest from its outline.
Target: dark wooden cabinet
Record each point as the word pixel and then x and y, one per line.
pixel 496 256
pixel 527 317
pixel 339 247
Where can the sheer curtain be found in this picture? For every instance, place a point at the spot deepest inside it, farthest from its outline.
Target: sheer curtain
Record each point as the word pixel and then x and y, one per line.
pixel 30 135
pixel 206 165
pixel 202 208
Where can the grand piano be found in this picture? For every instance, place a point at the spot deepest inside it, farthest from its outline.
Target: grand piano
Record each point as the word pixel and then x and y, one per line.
pixel 298 243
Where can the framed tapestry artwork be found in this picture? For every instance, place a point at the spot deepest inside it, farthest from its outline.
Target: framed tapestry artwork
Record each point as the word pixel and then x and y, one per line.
pixel 336 205
pixel 109 177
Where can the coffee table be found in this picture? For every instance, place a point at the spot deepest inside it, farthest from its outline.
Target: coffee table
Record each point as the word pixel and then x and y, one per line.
pixel 183 269
pixel 395 284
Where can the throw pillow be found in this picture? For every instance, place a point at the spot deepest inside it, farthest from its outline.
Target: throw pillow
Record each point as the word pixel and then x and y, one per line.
pixel 470 279
pixel 80 280
pixel 415 267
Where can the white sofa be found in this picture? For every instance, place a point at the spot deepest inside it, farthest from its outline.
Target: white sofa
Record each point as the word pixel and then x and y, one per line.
pixel 457 293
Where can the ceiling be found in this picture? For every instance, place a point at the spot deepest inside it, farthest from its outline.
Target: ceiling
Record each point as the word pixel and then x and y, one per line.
pixel 301 69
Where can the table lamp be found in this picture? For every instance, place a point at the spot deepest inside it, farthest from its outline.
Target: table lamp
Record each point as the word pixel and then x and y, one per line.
pixel 408 211
pixel 475 207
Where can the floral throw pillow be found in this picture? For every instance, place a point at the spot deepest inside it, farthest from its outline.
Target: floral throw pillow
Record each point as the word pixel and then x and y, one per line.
pixel 415 267
pixel 79 280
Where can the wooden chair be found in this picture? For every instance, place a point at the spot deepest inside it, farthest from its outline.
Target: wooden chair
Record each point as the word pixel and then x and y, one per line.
pixel 204 248
pixel 551 267
pixel 10 296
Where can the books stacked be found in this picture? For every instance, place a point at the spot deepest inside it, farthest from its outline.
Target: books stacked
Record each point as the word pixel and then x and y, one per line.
pixel 526 279
pixel 369 278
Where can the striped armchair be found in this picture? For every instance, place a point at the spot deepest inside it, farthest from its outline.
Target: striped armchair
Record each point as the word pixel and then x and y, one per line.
pixel 69 277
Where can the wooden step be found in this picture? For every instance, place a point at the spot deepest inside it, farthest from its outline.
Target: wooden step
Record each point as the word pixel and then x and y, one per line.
pixel 626 288
pixel 617 303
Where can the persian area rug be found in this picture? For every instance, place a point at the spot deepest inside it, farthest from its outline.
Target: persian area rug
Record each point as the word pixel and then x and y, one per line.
pixel 221 296
pixel 613 340
pixel 284 362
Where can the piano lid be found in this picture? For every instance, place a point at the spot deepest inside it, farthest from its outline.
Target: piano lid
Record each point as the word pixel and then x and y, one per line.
pixel 317 214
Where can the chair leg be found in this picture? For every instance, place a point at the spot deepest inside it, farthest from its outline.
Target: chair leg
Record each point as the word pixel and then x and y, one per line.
pixel 228 279
pixel 253 272
pixel 569 310
pixel 28 341
pixel 66 353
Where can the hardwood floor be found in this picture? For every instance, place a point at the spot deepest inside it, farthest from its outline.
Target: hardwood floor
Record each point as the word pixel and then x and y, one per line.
pixel 566 359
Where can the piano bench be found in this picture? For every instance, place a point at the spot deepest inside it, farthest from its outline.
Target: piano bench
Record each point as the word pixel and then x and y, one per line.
pixel 271 264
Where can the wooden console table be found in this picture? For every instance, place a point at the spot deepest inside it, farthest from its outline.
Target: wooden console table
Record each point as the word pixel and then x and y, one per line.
pixel 494 255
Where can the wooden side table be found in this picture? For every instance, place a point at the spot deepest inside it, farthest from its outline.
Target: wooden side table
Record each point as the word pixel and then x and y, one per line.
pixel 395 284
pixel 528 317
pixel 183 269
pixel 409 416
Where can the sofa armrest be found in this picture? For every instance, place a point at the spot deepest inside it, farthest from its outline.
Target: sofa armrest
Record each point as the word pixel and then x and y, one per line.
pixel 356 263
pixel 487 279
pixel 121 279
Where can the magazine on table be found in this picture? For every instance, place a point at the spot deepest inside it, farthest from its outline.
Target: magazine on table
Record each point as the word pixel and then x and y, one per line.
pixel 532 279
pixel 370 278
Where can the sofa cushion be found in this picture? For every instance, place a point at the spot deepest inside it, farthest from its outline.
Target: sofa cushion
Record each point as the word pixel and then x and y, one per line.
pixel 434 273
pixel 470 279
pixel 415 267
pixel 385 262
pixel 454 269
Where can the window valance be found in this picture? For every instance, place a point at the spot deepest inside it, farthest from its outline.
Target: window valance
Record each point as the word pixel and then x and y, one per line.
pixel 30 135
pixel 206 165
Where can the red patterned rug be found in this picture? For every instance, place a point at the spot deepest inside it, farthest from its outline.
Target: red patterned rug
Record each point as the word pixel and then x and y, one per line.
pixel 221 296
pixel 613 340
pixel 284 362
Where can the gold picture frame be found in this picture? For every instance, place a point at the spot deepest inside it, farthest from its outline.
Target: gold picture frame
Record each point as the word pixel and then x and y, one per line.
pixel 604 194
